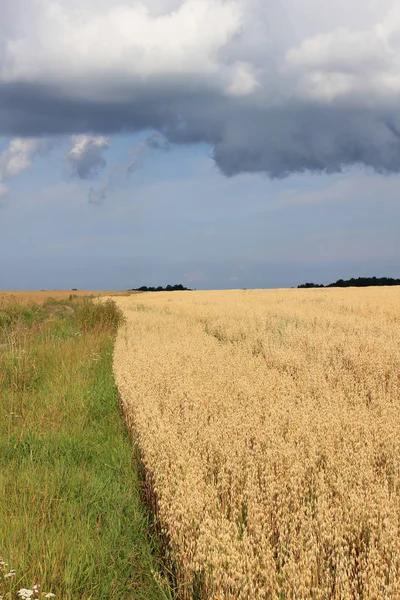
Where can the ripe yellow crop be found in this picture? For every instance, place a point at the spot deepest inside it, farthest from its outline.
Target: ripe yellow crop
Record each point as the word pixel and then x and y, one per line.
pixel 269 428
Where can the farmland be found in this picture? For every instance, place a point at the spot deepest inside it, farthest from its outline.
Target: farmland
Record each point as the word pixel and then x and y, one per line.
pixel 268 424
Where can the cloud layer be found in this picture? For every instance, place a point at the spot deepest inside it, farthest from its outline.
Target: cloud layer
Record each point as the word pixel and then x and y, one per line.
pixel 273 87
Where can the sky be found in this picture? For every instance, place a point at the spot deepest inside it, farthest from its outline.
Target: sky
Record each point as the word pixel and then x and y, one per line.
pixel 214 143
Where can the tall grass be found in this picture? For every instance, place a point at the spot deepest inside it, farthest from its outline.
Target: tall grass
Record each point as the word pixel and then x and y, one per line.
pixel 72 520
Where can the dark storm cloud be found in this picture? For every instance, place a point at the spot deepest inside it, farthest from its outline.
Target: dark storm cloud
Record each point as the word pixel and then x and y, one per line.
pixel 285 141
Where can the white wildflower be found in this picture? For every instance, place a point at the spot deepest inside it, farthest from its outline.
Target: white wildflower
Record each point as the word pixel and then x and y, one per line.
pixel 10 574
pixel 25 594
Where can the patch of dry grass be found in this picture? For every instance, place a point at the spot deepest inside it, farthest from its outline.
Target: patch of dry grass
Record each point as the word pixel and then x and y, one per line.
pixel 39 297
pixel 42 296
pixel 269 428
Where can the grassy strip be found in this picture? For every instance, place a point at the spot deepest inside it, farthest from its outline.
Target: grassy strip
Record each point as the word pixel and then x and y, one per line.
pixel 71 517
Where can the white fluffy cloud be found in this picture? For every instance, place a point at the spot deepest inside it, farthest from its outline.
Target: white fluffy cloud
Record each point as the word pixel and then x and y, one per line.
pixel 18 157
pixel 85 158
pixel 278 87
pixel 344 64
pixel 127 43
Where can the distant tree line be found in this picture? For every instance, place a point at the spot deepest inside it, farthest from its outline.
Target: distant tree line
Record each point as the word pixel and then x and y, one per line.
pixel 359 282
pixel 169 288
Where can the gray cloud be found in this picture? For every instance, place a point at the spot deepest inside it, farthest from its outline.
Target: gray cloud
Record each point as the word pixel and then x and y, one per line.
pixel 118 173
pixel 236 74
pixel 99 194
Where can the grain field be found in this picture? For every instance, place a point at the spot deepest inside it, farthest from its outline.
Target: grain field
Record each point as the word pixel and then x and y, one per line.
pixel 269 428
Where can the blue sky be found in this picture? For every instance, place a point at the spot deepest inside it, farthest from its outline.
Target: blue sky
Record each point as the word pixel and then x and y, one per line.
pixel 177 219
pixel 222 190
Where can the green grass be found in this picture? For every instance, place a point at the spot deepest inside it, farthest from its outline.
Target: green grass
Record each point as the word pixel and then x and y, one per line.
pixel 71 513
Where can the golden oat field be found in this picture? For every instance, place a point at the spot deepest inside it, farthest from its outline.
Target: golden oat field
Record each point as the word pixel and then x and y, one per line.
pixel 268 424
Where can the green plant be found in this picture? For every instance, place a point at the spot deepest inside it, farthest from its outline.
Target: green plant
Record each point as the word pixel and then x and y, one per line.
pixel 71 514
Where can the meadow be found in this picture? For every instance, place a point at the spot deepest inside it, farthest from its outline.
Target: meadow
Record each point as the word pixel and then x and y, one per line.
pixel 268 426
pixel 73 524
